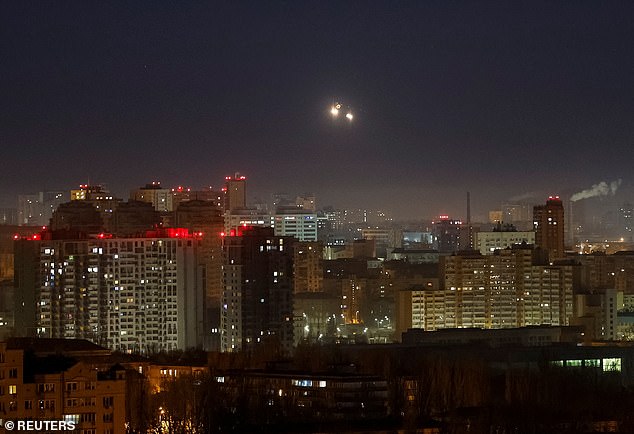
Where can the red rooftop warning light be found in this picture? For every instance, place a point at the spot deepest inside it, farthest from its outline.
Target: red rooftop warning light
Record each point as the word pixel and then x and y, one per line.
pixel 38 236
pixel 172 233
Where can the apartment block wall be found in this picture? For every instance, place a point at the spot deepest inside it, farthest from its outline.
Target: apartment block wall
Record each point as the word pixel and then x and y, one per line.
pixel 132 294
pixel 496 291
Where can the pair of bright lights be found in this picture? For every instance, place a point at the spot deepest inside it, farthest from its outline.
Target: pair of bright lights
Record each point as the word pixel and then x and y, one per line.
pixel 335 111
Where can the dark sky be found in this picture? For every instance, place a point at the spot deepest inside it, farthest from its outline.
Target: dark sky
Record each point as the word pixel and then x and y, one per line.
pixel 499 98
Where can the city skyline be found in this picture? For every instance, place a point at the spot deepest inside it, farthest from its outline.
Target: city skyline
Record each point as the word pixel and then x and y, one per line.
pixel 598 202
pixel 283 216
pixel 501 101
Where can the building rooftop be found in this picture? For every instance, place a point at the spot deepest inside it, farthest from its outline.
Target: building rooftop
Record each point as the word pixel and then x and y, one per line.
pixel 415 251
pixel 49 346
pixel 51 364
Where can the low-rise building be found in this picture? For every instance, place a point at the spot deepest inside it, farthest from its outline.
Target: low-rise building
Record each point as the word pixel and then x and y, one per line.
pixel 47 380
pixel 308 398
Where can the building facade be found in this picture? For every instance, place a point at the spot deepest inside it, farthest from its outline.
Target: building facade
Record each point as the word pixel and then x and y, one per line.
pixel 37 209
pixel 488 242
pixel 160 198
pixel 504 290
pixel 205 217
pixel 182 194
pixel 240 218
pixel 99 196
pixel 518 214
pixel 296 222
pixel 129 294
pixel 447 234
pixel 308 269
pixel 235 192
pixel 57 387
pixel 548 221
pixel 257 300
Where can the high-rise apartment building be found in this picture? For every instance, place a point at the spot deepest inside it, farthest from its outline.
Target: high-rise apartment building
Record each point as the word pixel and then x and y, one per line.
pixel 129 294
pixel 99 196
pixel 79 216
pixel 134 218
pixel 37 209
pixel 597 312
pixel 8 235
pixel 129 219
pixel 92 193
pixel 548 221
pixel 308 271
pixel 185 194
pixel 447 234
pixel 199 216
pixel 235 191
pixel 257 300
pixel 160 198
pixel 511 288
pixel 518 214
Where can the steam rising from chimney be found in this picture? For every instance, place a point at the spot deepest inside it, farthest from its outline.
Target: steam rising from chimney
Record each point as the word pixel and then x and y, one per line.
pixel 600 189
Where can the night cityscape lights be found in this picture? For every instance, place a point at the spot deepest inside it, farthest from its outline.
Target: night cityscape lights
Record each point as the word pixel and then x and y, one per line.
pixel 291 217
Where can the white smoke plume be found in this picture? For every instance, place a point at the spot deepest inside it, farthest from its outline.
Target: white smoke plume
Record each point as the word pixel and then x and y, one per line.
pixel 601 189
pixel 524 197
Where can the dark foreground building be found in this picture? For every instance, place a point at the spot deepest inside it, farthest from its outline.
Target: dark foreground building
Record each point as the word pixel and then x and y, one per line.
pixel 257 300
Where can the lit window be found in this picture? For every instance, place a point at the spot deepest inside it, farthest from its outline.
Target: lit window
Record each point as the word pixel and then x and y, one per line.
pixel 612 364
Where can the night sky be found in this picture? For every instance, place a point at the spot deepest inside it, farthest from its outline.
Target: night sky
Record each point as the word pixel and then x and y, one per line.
pixel 503 99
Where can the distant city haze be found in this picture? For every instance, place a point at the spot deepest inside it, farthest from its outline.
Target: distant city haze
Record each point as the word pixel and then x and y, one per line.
pixel 500 100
